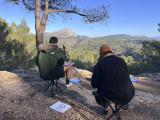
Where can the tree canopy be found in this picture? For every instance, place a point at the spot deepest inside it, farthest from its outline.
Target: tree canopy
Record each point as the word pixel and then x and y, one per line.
pixel 17 46
pixel 91 15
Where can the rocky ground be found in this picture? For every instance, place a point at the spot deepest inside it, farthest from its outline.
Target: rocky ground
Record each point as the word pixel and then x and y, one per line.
pixel 21 98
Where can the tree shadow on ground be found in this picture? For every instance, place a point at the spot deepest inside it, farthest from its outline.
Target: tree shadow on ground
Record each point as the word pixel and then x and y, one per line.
pixel 68 96
pixel 78 102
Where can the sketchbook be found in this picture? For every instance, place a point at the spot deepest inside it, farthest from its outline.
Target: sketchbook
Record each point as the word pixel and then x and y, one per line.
pixel 69 63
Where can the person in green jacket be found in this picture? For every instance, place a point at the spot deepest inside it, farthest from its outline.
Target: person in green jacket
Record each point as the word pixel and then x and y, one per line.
pixel 67 69
pixel 50 61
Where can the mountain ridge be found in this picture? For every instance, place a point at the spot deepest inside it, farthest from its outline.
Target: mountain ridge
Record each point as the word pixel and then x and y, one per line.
pixel 69 33
pixel 64 33
pixel 156 37
pixel 127 37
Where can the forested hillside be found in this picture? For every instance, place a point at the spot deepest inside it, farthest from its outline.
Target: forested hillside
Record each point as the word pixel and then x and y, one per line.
pixel 119 46
pixel 133 49
pixel 17 46
pixel 18 49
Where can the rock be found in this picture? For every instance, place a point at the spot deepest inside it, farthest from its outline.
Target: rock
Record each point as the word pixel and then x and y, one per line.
pixel 85 73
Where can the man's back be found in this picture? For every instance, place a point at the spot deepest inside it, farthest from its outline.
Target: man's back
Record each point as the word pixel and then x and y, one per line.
pixel 111 77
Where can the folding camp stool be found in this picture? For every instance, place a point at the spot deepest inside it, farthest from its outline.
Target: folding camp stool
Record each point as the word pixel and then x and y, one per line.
pixel 115 110
pixel 53 83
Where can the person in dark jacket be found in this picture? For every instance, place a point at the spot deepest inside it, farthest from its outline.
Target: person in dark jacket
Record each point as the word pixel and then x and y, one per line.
pixel 111 78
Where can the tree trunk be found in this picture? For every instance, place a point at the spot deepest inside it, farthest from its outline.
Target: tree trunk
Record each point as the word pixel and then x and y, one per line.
pixel 39 38
pixel 39 34
pixel 40 25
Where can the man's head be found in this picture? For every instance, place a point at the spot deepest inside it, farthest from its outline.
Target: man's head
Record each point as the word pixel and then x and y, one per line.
pixel 104 48
pixel 53 40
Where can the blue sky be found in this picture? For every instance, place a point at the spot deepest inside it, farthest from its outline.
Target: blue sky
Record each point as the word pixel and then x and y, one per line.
pixel 133 17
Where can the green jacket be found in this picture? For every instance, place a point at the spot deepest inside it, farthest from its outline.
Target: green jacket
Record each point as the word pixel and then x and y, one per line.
pixel 50 62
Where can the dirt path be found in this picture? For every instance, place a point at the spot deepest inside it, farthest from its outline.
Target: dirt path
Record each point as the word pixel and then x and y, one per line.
pixel 18 102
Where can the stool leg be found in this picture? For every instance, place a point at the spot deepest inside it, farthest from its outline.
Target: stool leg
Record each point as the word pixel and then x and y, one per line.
pixel 52 88
pixel 56 85
pixel 53 83
pixel 48 86
pixel 117 112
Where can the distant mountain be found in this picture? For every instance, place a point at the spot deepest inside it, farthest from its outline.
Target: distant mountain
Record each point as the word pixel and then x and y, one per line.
pixel 68 33
pixel 156 37
pixel 121 44
pixel 65 33
pixel 128 37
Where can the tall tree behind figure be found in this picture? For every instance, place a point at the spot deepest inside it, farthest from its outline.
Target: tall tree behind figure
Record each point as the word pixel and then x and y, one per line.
pixel 90 15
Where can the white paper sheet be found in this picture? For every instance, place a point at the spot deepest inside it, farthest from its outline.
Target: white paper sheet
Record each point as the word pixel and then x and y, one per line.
pixel 60 107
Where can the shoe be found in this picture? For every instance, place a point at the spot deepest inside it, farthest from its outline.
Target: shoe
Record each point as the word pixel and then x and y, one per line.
pixel 105 112
pixel 67 81
pixel 69 85
pixel 94 93
pixel 125 107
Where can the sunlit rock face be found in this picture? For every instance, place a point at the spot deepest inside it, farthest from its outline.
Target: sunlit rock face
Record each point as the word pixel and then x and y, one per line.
pixel 67 32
